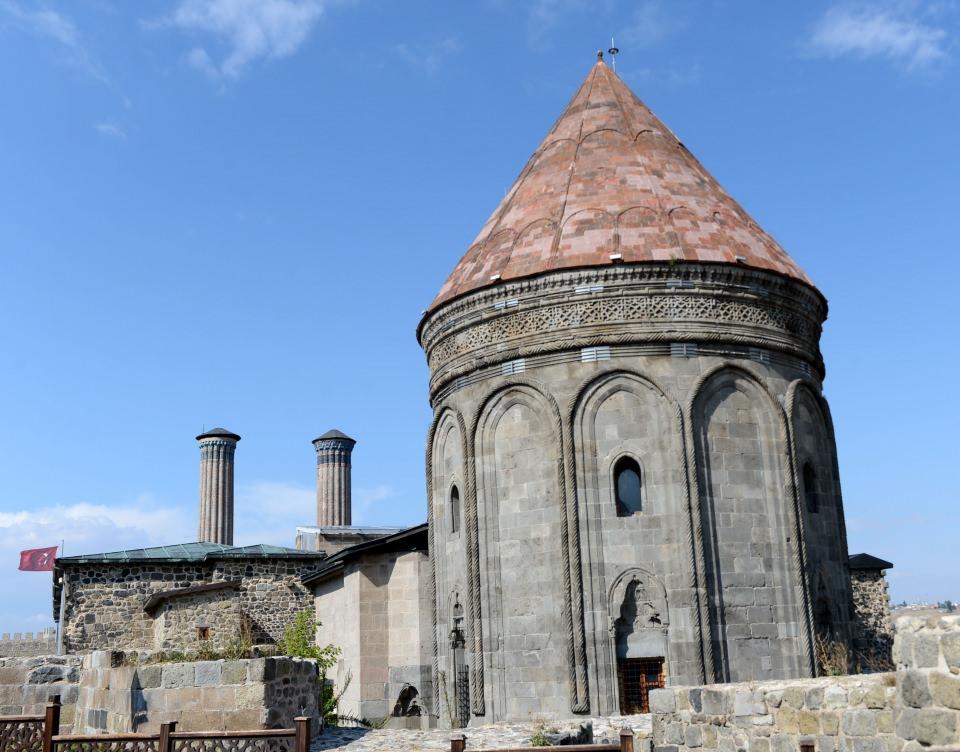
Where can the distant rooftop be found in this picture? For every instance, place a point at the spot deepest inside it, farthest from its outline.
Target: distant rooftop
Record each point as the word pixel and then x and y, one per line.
pixel 866 561
pixel 214 433
pixel 333 433
pixel 190 552
pixel 348 529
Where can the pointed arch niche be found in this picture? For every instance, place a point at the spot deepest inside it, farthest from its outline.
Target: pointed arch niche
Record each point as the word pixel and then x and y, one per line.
pixel 639 622
pixel 755 603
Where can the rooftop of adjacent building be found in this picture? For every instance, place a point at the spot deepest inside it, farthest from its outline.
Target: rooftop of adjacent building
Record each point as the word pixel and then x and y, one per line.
pixel 867 561
pixel 414 538
pixel 611 183
pixel 189 552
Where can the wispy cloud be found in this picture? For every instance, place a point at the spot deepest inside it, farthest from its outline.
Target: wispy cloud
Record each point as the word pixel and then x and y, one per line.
pixel 110 129
pixel 668 77
pixel 57 27
pixel 545 14
pixel 428 58
pixel 892 31
pixel 86 528
pixel 648 24
pixel 244 31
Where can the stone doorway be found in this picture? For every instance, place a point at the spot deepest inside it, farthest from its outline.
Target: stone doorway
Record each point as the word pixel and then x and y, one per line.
pixel 636 677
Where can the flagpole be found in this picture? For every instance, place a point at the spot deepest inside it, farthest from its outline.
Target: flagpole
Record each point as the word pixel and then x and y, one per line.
pixel 63 605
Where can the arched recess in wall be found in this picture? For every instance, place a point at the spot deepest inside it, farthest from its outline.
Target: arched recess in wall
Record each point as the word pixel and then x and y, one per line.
pixel 448 552
pixel 754 592
pixel 620 414
pixel 821 512
pixel 523 539
pixel 639 621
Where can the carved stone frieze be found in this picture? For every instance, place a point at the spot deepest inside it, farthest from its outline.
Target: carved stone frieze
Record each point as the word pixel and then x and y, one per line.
pixel 619 305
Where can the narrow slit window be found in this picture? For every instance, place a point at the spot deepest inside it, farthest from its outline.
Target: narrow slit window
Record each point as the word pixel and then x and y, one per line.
pixel 454 510
pixel 627 487
pixel 810 488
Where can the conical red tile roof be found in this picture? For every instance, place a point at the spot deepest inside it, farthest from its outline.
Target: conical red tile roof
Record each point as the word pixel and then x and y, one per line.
pixel 610 178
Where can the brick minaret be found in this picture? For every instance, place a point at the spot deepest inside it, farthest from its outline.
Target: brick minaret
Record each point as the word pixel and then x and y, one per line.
pixel 216 486
pixel 333 478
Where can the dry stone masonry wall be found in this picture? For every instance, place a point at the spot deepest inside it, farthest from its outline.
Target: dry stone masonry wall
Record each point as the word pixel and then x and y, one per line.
pixel 27 684
pixel 199 696
pixel 916 708
pixel 105 609
pixel 871 607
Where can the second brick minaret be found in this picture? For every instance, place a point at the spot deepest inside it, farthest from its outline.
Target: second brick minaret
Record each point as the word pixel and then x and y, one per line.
pixel 333 478
pixel 217 448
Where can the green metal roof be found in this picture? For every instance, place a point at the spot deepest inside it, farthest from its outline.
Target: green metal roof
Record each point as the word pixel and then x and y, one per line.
pixel 190 552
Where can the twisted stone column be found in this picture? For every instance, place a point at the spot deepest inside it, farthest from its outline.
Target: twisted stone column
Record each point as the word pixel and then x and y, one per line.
pixel 217 448
pixel 333 478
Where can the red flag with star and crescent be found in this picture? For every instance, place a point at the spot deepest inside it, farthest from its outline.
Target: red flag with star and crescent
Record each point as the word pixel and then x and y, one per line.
pixel 38 559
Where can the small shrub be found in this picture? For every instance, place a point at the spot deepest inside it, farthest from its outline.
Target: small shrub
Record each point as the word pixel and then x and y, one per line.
pixel 540 738
pixel 833 656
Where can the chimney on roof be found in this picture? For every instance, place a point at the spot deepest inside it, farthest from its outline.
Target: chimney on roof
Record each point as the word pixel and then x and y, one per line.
pixel 333 478
pixel 217 447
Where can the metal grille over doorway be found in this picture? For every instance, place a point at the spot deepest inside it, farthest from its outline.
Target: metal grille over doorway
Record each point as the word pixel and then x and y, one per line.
pixel 636 677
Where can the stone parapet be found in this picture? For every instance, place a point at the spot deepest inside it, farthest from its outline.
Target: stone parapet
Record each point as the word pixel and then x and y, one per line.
pixel 927 656
pixel 25 644
pixel 27 684
pixel 199 695
pixel 918 707
pixel 850 713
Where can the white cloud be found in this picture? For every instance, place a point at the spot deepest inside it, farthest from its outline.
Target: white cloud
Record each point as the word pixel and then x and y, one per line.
pixel 57 27
pixel 428 58
pixel 888 31
pixel 648 25
pixel 85 528
pixel 110 129
pixel 249 30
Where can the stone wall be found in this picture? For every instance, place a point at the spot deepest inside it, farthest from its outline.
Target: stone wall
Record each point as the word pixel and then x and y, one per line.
pixel 199 696
pixel 23 644
pixel 377 611
pixel 27 684
pixel 105 604
pixel 178 622
pixel 927 656
pixel 873 636
pixel 915 708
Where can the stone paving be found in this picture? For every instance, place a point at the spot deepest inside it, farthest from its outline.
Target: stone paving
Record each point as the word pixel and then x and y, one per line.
pixel 605 730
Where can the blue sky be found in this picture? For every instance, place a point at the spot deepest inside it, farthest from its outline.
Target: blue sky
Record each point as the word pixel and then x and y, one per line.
pixel 231 212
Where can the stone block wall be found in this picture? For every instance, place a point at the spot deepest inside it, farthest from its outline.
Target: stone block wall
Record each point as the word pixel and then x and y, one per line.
pixel 918 707
pixel 927 656
pixel 105 604
pixel 199 696
pixel 23 644
pixel 873 636
pixel 837 714
pixel 27 684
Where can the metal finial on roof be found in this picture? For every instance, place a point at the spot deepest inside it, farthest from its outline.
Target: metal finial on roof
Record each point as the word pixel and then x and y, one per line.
pixel 614 51
pixel 599 54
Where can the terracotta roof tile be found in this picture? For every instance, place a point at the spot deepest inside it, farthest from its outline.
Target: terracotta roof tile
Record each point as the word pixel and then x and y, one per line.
pixel 611 178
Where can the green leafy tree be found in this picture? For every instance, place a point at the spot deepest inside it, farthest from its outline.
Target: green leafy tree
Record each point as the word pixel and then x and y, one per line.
pixel 299 641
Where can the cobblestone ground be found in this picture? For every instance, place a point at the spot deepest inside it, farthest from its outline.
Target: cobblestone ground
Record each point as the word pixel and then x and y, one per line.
pixel 605 730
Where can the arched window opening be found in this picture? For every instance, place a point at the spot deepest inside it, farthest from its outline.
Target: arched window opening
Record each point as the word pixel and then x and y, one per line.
pixel 627 486
pixel 454 510
pixel 810 488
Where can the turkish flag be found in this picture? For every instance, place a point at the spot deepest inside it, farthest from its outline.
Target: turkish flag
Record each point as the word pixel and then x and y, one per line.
pixel 38 559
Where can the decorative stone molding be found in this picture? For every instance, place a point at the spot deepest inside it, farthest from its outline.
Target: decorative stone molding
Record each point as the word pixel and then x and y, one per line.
pixel 617 305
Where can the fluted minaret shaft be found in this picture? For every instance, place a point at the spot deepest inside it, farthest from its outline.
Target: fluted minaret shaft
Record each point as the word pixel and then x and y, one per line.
pixel 333 478
pixel 217 448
